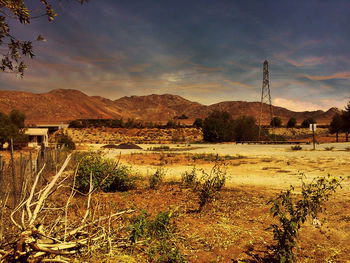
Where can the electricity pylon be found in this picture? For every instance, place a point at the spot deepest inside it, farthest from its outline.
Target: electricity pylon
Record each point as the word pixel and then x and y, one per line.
pixel 265 97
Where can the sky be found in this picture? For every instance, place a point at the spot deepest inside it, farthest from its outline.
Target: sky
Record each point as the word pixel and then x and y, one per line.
pixel 203 50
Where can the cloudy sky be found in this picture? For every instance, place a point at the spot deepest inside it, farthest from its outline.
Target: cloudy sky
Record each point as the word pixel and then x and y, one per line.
pixel 204 50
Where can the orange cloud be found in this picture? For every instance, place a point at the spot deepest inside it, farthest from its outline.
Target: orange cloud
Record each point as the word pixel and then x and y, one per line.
pixel 236 83
pixel 339 75
pixel 139 68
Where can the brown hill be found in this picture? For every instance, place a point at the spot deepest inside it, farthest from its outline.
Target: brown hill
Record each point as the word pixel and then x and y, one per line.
pixel 63 105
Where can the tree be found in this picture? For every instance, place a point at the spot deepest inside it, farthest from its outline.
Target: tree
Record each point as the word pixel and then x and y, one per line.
pixel 346 120
pixel 292 122
pixel 306 123
pixel 198 123
pixel 246 129
pixel 11 127
pixel 218 127
pixel 15 48
pixel 276 122
pixel 336 125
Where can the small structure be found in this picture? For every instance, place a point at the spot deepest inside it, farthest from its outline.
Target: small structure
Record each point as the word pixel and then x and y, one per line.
pixel 38 137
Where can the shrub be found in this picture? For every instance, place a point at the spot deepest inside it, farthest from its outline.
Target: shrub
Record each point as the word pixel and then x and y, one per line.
pixel 106 174
pixel 188 179
pixel 211 184
pixel 292 213
pixel 170 253
pixel 330 148
pixel 296 148
pixel 156 179
pixel 138 227
pixel 66 141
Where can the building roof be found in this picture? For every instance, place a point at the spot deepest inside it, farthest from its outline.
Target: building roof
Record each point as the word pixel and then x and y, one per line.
pixel 36 131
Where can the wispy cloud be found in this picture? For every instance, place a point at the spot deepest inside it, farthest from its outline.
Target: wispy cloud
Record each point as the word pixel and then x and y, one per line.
pixel 239 84
pixel 339 75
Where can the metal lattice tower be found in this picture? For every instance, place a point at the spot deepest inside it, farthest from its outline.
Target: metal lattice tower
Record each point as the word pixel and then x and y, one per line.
pixel 265 97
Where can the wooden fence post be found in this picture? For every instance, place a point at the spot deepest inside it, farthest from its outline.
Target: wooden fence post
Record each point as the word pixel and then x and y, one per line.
pixel 13 175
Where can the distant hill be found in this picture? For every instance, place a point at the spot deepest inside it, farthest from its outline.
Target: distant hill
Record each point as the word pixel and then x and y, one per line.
pixel 63 105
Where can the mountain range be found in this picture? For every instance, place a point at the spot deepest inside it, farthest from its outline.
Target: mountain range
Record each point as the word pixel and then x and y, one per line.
pixel 64 105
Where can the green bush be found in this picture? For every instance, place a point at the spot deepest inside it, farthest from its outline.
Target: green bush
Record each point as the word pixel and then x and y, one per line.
pixel 296 148
pixel 276 122
pixel 292 212
pixel 211 184
pixel 220 127
pixel 106 174
pixel 306 123
pixel 188 179
pixel 156 179
pixel 292 122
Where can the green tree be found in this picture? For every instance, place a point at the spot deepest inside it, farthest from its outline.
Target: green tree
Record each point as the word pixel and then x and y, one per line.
pixel 276 122
pixel 218 127
pixel 11 127
pixel 292 122
pixel 346 120
pixel 245 129
pixel 336 125
pixel 306 123
pixel 198 123
pixel 14 48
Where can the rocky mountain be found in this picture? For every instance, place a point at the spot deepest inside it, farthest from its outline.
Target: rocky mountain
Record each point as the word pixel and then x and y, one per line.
pixel 63 105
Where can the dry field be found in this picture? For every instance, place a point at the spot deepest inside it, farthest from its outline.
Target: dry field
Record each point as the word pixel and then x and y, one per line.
pixel 233 227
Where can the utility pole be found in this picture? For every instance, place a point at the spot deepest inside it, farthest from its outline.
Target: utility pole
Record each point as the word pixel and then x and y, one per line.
pixel 266 97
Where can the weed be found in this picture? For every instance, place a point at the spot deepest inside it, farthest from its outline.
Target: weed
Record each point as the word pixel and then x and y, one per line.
pixel 160 226
pixel 170 253
pixel 138 227
pixel 296 148
pixel 188 179
pixel 331 148
pixel 159 148
pixel 211 184
pixel 292 213
pixel 156 178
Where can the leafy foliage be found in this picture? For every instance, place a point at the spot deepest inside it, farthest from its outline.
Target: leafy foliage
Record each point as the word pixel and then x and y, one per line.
pixel 220 127
pixel 211 184
pixel 292 122
pixel 346 118
pixel 306 123
pixel 198 123
pixel 66 141
pixel 106 174
pixel 11 126
pixel 157 178
pixel 276 122
pixel 158 233
pixel 12 59
pixel 296 148
pixel 188 179
pixel 292 213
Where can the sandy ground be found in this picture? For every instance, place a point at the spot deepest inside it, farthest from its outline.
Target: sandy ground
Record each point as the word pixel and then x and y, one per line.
pixel 268 166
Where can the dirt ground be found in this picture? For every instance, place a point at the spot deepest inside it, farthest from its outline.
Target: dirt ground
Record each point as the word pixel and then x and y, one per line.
pixel 233 227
